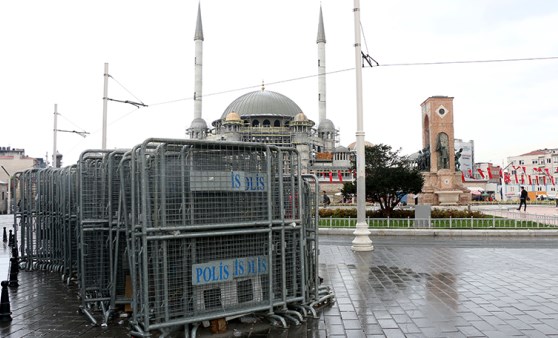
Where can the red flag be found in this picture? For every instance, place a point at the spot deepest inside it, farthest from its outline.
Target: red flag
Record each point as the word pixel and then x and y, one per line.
pixel 462 177
pixel 507 178
pixel 522 179
pixel 552 179
pixel 470 173
pixel 537 179
pixel 330 176
pixel 480 172
pixel 516 180
pixel 547 172
pixel 501 173
pixel 544 180
pixel 489 173
pixel 524 169
pixel 529 177
pixel 339 175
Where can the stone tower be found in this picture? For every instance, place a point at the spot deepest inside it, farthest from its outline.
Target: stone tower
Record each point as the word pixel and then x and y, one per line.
pixel 442 183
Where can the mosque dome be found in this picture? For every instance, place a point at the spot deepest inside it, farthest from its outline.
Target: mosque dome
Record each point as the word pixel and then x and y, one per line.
pixel 262 103
pixel 232 117
pixel 326 125
pixel 300 117
pixel 352 146
pixel 341 149
pixel 198 123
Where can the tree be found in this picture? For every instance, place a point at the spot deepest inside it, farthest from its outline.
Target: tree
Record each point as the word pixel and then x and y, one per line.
pixel 388 176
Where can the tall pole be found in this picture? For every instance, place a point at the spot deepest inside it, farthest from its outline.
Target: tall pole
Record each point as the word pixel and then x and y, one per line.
pixel 55 130
pixel 361 242
pixel 105 100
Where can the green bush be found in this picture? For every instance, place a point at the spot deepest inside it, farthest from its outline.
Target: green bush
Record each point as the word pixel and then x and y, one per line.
pixel 436 213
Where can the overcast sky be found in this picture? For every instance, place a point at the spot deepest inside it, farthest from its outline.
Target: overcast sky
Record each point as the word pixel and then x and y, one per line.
pixel 53 52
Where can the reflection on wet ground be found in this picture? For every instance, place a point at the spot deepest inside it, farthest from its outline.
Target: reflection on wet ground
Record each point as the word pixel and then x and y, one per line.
pixel 407 287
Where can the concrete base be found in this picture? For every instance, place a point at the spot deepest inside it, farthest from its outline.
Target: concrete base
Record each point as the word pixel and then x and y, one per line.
pixel 448 197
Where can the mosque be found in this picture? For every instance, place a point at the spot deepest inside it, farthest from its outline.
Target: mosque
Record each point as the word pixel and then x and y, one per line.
pixel 269 117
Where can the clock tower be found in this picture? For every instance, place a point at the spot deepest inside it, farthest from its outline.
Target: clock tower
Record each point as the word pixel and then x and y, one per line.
pixel 442 183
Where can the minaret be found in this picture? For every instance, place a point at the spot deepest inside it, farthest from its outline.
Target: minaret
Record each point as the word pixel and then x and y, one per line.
pixel 198 128
pixel 321 41
pixel 326 128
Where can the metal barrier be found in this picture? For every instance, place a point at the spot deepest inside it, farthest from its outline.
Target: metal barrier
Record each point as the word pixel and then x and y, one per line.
pixel 181 231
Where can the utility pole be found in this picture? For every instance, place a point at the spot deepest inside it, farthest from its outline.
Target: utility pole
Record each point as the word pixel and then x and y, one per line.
pixel 54 162
pixel 9 190
pixel 105 100
pixel 361 242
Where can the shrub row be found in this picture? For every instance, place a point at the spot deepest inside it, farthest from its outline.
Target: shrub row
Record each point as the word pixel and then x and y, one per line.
pixel 436 213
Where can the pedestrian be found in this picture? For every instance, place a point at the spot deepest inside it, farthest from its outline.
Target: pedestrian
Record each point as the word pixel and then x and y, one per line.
pixel 327 201
pixel 523 198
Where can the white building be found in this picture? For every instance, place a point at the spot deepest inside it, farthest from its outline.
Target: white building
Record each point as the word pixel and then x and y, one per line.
pixel 537 171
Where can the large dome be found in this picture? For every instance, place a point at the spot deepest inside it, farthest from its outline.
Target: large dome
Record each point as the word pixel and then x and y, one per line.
pixel 263 103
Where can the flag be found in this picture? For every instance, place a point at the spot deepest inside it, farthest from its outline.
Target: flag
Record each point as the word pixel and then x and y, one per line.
pixel 330 176
pixel 552 179
pixel 537 180
pixel 501 173
pixel 507 178
pixel 340 176
pixel 544 180
pixel 489 173
pixel 529 177
pixel 325 175
pixel 462 177
pixel 480 172
pixel 522 179
pixel 547 172
pixel 470 173
pixel 524 169
pixel 516 180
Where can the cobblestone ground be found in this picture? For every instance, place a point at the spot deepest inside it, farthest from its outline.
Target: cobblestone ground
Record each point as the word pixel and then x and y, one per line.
pixel 407 287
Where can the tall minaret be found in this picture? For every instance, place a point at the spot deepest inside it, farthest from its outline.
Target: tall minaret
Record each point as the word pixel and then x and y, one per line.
pixel 326 128
pixel 198 128
pixel 321 41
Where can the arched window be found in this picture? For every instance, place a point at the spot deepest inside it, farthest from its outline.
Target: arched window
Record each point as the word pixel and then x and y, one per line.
pixel 277 123
pixel 255 123
pixel 266 123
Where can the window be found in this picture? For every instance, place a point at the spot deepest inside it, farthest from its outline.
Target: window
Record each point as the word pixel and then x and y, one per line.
pixel 277 123
pixel 255 123
pixel 521 162
pixel 548 160
pixel 534 162
pixel 266 123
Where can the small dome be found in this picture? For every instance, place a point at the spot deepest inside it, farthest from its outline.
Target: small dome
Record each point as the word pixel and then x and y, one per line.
pixel 300 117
pixel 198 123
pixel 326 125
pixel 352 146
pixel 341 149
pixel 232 116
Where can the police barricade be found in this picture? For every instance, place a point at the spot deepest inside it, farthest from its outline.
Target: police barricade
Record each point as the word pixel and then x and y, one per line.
pixel 215 230
pixel 94 234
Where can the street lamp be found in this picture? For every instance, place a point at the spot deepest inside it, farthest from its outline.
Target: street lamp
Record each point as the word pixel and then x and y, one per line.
pixel 361 242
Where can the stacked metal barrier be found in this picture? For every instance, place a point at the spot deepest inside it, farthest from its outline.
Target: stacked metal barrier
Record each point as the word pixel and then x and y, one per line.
pixel 183 231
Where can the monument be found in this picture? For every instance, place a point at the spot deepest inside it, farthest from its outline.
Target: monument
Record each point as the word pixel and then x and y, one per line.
pixel 442 182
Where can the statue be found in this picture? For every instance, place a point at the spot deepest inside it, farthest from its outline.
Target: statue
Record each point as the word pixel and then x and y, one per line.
pixel 420 161
pixel 457 157
pixel 442 147
pixel 426 152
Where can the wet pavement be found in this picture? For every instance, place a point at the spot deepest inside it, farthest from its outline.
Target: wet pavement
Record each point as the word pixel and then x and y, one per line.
pixel 408 286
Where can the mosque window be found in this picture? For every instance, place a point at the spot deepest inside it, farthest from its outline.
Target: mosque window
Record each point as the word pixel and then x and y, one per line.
pixel 255 123
pixel 266 123
pixel 277 123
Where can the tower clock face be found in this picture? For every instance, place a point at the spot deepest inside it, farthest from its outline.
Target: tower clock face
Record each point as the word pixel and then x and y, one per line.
pixel 442 111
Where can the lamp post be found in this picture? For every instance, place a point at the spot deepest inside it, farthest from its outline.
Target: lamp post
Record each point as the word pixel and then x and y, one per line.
pixel 361 242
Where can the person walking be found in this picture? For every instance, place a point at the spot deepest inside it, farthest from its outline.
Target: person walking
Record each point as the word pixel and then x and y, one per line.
pixel 326 199
pixel 523 197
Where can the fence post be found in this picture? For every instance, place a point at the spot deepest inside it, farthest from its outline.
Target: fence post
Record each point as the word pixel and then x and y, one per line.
pixel 388 222
pixel 330 221
pixel 408 221
pixel 493 221
pixel 472 225
pixel 450 223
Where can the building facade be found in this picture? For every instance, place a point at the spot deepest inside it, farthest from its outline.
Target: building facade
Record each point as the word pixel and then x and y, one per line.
pixel 537 171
